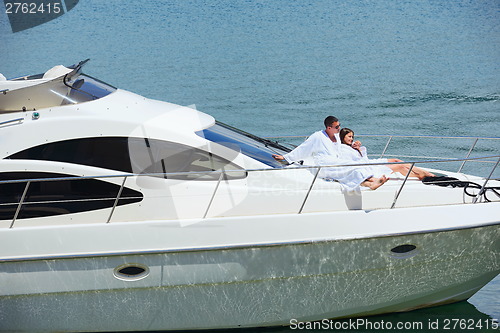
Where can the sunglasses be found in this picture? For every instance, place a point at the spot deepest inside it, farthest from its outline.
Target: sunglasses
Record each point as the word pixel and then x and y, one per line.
pixel 336 127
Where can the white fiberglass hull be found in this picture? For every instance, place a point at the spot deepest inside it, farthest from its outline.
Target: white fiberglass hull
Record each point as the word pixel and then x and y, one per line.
pixel 250 285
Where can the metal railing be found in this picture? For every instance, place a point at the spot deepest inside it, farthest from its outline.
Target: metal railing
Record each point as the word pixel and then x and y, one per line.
pixel 390 141
pixel 11 122
pixel 222 176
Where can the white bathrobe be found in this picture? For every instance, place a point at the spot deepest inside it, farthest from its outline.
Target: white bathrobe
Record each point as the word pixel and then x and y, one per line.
pixel 318 149
pixel 347 152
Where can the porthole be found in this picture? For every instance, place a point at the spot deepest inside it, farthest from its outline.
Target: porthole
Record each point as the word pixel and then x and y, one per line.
pixel 403 251
pixel 131 272
pixel 405 248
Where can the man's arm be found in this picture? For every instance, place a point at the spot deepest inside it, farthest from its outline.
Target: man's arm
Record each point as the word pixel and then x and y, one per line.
pixel 301 152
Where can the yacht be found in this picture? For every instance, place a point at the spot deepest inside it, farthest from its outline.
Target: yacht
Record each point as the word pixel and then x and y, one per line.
pixel 123 213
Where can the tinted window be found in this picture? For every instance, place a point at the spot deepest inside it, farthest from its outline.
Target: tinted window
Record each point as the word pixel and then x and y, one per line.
pixel 106 152
pixel 81 88
pixel 257 148
pixel 48 198
pixel 86 88
pixel 154 156
pixel 134 155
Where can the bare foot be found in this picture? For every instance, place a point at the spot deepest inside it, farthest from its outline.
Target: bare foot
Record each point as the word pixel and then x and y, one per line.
pixel 421 173
pixel 374 183
pixel 378 182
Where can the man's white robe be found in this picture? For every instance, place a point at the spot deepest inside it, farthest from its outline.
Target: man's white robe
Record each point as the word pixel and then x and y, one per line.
pixel 318 149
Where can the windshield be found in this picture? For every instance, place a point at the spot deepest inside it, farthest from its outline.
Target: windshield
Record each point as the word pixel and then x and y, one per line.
pixel 59 91
pixel 246 143
pixel 86 88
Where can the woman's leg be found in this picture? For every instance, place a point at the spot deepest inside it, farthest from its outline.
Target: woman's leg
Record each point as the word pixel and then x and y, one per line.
pixel 404 168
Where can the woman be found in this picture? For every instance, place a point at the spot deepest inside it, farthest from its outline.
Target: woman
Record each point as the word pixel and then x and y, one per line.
pixel 353 150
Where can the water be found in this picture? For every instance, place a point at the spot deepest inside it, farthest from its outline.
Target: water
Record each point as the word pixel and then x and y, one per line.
pixel 279 67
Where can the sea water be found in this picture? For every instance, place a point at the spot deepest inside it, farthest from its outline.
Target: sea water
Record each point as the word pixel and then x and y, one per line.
pixel 278 67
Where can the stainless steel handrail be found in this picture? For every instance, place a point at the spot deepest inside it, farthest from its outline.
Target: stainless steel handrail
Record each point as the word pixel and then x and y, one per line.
pixel 468 154
pixel 225 172
pixel 401 187
pixel 117 198
pixel 309 191
pixel 396 136
pixel 391 137
pixel 485 182
pixel 20 204
pixel 213 194
pixel 386 146
pixel 7 122
pixel 184 173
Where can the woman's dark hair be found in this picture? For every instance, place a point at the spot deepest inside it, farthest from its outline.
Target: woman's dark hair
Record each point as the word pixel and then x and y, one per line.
pixel 343 132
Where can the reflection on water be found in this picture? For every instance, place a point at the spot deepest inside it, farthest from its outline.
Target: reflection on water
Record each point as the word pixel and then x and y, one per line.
pixel 463 316
pixel 457 317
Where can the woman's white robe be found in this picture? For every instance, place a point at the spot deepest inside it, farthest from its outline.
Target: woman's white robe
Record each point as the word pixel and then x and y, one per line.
pixel 318 149
pixel 347 152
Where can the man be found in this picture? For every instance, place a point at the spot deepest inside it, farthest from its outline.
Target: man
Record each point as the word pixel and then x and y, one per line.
pixel 323 148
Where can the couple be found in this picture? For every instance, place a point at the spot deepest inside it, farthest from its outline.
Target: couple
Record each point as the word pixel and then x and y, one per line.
pixel 326 148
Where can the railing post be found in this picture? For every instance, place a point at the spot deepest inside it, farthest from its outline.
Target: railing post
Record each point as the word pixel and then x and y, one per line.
pixel 309 191
pixel 402 185
pixel 386 146
pixel 20 203
pixel 485 182
pixel 117 199
pixel 468 154
pixel 213 194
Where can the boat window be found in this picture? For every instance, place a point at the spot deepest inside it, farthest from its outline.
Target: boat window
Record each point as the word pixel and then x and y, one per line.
pixel 136 155
pixel 403 248
pixel 103 152
pixel 246 143
pixel 86 88
pixel 59 91
pixel 160 157
pixel 131 272
pixel 56 197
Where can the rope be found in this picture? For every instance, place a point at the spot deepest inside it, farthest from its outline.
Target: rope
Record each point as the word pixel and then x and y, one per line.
pixel 466 185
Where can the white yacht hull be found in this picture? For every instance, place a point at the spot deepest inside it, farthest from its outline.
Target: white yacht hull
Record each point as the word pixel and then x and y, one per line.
pixel 243 285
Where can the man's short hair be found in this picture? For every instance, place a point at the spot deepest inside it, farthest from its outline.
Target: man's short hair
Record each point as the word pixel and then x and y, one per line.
pixel 330 120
